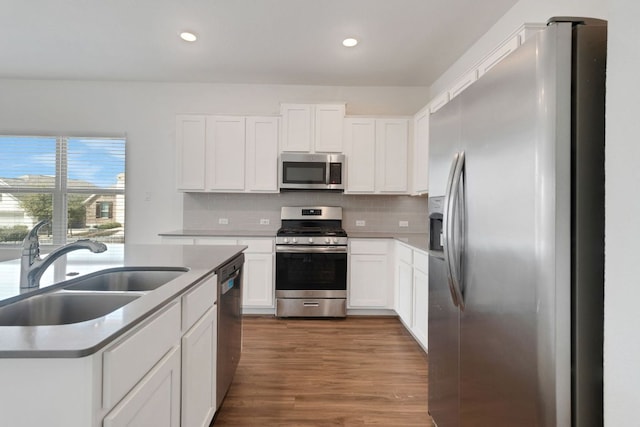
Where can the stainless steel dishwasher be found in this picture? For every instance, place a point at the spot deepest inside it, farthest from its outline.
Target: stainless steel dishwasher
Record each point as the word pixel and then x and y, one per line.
pixel 229 324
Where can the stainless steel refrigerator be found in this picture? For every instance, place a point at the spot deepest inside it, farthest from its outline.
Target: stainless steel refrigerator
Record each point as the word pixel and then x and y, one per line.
pixel 516 208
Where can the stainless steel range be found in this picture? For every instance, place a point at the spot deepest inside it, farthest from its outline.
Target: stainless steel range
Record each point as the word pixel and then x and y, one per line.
pixel 311 263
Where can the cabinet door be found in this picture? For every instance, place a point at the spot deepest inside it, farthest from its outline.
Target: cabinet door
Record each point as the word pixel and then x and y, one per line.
pixel 262 154
pixel 257 282
pixel 190 152
pixel 391 158
pixel 199 371
pixel 154 401
pixel 225 153
pixel 421 152
pixel 328 128
pixel 369 281
pixel 404 305
pixel 360 149
pixel 421 305
pixel 297 120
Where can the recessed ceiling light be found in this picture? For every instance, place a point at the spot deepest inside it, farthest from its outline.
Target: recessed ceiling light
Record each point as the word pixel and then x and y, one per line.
pixel 349 42
pixel 188 37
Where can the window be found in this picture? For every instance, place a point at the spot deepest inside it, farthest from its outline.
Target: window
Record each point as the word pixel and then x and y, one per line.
pixel 78 184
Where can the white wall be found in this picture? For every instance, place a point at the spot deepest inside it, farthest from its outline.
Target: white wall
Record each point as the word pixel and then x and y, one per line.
pixel 622 251
pixel 145 112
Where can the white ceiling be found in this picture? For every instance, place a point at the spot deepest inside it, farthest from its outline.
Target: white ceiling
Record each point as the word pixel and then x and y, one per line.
pixel 402 42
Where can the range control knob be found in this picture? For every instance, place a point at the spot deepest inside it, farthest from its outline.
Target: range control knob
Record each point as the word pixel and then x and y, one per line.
pixel 327 240
pixel 294 240
pixel 286 240
pixel 310 239
pixel 335 240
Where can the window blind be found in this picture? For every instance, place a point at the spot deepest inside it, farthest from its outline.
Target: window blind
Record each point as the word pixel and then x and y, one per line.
pixel 64 180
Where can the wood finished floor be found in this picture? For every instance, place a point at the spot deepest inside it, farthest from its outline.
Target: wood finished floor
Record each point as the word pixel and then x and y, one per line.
pixel 351 372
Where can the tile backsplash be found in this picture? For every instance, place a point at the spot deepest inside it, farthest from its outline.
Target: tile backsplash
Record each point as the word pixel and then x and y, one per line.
pixel 249 212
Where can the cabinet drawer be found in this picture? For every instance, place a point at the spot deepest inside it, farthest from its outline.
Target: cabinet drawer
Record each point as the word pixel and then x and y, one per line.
pixel 405 253
pixel 369 246
pixel 197 301
pixel 258 245
pixel 421 261
pixel 128 361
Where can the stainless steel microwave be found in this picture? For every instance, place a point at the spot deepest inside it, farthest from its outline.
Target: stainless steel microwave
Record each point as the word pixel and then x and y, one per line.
pixel 301 171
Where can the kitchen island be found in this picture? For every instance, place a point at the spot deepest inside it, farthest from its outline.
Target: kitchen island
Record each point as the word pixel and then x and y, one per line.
pixel 127 366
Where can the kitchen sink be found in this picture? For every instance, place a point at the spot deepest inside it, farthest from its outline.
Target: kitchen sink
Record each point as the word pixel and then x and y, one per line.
pixel 60 308
pixel 140 279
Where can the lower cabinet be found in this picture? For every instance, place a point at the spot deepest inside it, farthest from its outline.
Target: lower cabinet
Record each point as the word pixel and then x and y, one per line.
pixel 258 289
pixel 199 371
pixel 370 281
pixel 258 276
pixel 412 291
pixel 155 401
pixel 404 294
pixel 420 297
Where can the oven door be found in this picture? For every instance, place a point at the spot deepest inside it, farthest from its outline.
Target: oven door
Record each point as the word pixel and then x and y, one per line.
pixel 311 272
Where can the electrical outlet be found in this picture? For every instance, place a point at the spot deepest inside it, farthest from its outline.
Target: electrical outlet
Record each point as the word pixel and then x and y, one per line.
pixel 403 223
pixel 264 221
pixel 223 221
pixel 360 223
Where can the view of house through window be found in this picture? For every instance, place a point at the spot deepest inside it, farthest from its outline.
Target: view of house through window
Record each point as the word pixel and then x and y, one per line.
pixel 78 184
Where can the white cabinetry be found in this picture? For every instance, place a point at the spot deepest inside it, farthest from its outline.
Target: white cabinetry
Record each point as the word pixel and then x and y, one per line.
pixel 412 290
pixel 127 361
pixel 420 296
pixel 155 401
pixel 262 154
pixel 377 155
pixel 360 150
pixel 392 155
pixel 312 128
pixel 258 271
pixel 227 153
pixel 370 281
pixel 258 280
pixel 420 184
pixel 404 293
pixel 190 152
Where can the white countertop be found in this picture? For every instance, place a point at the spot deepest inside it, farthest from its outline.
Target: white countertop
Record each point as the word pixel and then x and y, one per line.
pixel 84 338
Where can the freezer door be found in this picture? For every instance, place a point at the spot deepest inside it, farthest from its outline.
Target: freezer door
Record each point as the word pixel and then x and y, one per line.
pixel 514 329
pixel 444 142
pixel 444 376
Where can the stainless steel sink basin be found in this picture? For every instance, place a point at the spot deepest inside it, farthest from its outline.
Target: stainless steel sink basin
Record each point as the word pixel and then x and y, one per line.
pixel 140 279
pixel 59 308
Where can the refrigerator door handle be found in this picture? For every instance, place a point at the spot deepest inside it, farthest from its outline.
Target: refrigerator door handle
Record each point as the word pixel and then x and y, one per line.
pixel 447 229
pixel 456 231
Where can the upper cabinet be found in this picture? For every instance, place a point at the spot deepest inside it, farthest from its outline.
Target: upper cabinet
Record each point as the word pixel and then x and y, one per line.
pixel 360 150
pixel 262 154
pixel 421 152
pixel 377 155
pixel 312 128
pixel 227 153
pixel 392 154
pixel 190 149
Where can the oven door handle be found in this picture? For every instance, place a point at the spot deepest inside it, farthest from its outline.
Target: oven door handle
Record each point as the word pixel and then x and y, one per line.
pixel 310 249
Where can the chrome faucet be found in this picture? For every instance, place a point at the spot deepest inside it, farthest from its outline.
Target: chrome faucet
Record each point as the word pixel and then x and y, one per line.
pixel 32 266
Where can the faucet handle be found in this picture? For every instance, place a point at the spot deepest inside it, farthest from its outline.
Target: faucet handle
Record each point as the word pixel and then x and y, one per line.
pixel 30 242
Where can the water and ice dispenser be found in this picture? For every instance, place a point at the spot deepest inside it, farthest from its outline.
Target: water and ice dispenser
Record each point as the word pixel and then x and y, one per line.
pixel 436 208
